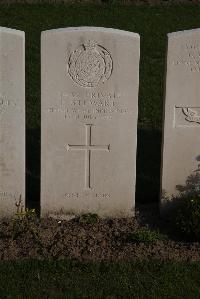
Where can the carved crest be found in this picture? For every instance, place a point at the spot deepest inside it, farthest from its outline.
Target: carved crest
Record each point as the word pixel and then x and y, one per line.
pixel 191 115
pixel 90 64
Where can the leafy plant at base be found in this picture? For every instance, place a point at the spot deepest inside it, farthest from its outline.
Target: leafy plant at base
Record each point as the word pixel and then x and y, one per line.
pixel 147 236
pixel 188 217
pixel 89 218
pixel 24 221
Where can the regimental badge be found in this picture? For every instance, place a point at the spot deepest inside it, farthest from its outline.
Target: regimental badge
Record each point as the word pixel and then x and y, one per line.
pixel 191 115
pixel 90 64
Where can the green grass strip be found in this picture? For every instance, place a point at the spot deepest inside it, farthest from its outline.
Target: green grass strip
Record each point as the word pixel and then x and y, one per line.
pixel 65 279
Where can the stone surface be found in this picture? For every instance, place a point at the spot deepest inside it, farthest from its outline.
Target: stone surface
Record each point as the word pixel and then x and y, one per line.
pixel 12 121
pixel 89 121
pixel 181 134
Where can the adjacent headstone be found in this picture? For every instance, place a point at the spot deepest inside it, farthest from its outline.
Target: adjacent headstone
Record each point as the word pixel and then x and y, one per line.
pixel 181 134
pixel 89 121
pixel 12 121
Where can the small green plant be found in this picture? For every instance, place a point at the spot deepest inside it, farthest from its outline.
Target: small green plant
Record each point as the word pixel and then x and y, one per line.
pixel 89 218
pixel 188 217
pixel 23 220
pixel 147 236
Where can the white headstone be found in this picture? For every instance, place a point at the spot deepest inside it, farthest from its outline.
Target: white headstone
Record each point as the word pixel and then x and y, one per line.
pixel 181 134
pixel 89 121
pixel 12 121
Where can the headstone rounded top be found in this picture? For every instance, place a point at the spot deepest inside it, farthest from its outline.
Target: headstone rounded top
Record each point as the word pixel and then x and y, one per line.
pixel 88 28
pixel 183 33
pixel 11 31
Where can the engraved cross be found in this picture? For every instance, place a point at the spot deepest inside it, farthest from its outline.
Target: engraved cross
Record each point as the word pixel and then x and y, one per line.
pixel 88 147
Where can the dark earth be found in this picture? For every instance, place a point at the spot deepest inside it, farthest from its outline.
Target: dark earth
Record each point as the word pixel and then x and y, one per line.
pixel 102 239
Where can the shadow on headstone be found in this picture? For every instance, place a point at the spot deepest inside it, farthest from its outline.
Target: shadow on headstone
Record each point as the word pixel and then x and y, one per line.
pixel 191 187
pixel 189 190
pixel 165 219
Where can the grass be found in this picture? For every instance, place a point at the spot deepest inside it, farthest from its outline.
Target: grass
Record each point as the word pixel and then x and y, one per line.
pixel 152 23
pixel 65 279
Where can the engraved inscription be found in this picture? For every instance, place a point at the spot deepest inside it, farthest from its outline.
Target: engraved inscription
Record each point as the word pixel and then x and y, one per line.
pixel 90 64
pixel 5 103
pixel 88 148
pixel 76 195
pixel 190 57
pixel 187 116
pixel 4 195
pixel 90 106
pixel 72 195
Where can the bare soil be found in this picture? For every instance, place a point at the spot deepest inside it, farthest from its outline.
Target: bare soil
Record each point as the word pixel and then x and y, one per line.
pixel 107 239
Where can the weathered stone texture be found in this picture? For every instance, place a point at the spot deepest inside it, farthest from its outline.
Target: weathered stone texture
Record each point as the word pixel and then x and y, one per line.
pixel 181 139
pixel 89 121
pixel 12 121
